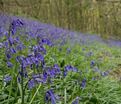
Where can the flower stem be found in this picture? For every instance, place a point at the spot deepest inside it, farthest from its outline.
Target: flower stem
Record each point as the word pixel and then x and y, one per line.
pixel 22 87
pixel 35 94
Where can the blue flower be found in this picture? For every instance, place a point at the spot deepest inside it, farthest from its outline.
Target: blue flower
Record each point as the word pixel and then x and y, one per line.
pixel 35 49
pixel 76 101
pixel 83 84
pixel 17 39
pixel 6 44
pixel 47 41
pixel 20 47
pixel 19 79
pixel 65 73
pixel 50 97
pixel 40 57
pixel 89 54
pixel 41 49
pixel 31 83
pixel 7 78
pixel 45 76
pixel 38 78
pixel 92 63
pixel 15 24
pixel 8 56
pixel 11 41
pixel 68 50
pixel 9 64
pixel 51 73
pixel 104 73
pixel 57 69
pixel 28 61
pixel 12 50
pixel 69 68
pixel 75 69
pixel 1 45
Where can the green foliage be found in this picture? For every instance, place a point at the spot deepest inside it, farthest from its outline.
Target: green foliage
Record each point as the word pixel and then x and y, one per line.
pixel 102 90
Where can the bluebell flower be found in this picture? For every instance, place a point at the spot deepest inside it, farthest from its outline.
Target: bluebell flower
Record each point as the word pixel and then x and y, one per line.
pixel 39 56
pixel 45 76
pixel 69 68
pixel 57 68
pixel 36 75
pixel 11 40
pixel 19 79
pixel 28 61
pixel 68 50
pixel 47 42
pixel 31 83
pixel 75 69
pixel 43 63
pixel 25 74
pixel 96 70
pixel 19 22
pixel 9 64
pixel 30 55
pixel 17 39
pixel 50 44
pixel 76 101
pixel 104 73
pixel 6 44
pixel 65 73
pixel 50 97
pixel 36 62
pixel 83 84
pixel 7 78
pixel 33 60
pixel 23 64
pixel 92 63
pixel 8 56
pixel 44 41
pixel 89 54
pixel 1 45
pixel 21 73
pixel 51 73
pixel 35 49
pixel 15 24
pixel 42 49
pixel 13 31
pixel 38 78
pixel 20 47
pixel 18 58
pixel 12 50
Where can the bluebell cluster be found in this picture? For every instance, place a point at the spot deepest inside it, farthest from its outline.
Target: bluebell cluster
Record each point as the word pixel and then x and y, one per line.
pixel 27 48
pixel 14 46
